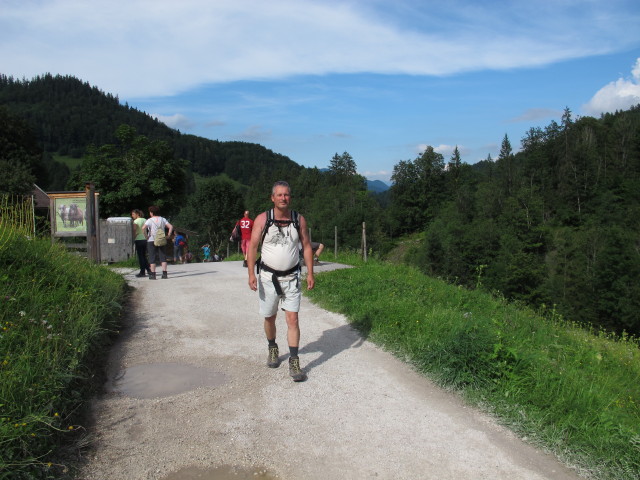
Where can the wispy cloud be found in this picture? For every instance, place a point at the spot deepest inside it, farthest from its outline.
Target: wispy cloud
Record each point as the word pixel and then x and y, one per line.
pixel 618 95
pixel 534 114
pixel 177 121
pixel 139 48
pixel 215 123
pixel 254 133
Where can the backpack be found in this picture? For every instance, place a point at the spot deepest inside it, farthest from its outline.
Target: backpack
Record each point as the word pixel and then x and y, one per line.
pixel 160 239
pixel 295 220
pixel 236 235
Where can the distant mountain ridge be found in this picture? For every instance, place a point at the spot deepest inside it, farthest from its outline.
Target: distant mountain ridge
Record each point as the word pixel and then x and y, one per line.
pixel 377 186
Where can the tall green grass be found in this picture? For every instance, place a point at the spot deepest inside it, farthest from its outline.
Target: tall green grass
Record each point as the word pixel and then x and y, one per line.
pixel 56 314
pixel 574 392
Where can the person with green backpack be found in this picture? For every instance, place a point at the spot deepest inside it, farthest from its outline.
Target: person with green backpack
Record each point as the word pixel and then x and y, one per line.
pixel 155 231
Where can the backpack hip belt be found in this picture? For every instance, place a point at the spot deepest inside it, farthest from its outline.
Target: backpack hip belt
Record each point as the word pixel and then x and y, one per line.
pixel 278 273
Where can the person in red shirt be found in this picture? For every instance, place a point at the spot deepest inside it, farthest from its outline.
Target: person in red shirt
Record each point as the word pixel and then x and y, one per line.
pixel 246 225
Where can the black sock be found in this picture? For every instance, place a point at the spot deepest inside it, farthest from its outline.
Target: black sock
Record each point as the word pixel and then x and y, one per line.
pixel 272 343
pixel 293 352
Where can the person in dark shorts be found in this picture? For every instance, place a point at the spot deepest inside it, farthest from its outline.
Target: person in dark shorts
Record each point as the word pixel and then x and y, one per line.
pixel 317 249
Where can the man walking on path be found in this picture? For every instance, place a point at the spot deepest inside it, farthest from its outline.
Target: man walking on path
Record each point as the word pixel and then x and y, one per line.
pixel 280 230
pixel 246 225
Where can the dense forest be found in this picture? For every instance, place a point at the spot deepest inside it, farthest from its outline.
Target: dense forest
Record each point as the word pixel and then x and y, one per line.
pixel 67 115
pixel 554 225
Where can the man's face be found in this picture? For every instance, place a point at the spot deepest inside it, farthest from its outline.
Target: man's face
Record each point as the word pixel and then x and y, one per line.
pixel 281 197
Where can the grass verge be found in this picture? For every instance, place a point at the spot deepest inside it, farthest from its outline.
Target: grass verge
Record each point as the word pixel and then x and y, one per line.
pixel 57 311
pixel 573 392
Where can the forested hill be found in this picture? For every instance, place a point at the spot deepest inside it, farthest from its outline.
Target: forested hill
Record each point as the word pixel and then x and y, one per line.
pixel 66 115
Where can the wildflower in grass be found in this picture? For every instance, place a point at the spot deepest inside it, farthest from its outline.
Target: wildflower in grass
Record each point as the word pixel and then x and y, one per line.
pixel 70 427
pixel 22 313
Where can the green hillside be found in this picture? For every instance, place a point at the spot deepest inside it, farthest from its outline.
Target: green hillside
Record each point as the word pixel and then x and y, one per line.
pixel 67 115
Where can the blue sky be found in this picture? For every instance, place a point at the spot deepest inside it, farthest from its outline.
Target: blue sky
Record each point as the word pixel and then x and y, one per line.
pixel 308 79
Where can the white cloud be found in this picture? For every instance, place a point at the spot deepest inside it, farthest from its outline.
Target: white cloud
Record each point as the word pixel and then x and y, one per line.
pixel 383 175
pixel 619 95
pixel 445 150
pixel 178 121
pixel 142 48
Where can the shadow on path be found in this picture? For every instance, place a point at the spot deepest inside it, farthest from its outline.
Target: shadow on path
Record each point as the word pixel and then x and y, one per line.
pixel 331 343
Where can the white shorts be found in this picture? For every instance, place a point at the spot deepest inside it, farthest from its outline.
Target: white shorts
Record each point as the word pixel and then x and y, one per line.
pixel 269 299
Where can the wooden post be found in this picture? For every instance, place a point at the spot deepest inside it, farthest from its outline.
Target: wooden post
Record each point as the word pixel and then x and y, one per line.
pixel 364 241
pixel 93 247
pixel 33 214
pixel 335 242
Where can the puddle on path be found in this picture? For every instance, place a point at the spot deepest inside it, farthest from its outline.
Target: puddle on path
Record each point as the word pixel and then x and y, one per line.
pixel 221 473
pixel 165 379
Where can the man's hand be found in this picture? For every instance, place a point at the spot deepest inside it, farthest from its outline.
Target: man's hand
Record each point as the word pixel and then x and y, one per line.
pixel 311 282
pixel 253 281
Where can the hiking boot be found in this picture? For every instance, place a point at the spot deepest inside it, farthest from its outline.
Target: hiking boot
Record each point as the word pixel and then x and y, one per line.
pixel 273 360
pixel 295 371
pixel 141 274
pixel 244 264
pixel 164 274
pixel 152 276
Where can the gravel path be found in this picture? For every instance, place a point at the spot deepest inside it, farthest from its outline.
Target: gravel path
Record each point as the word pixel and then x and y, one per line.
pixel 190 397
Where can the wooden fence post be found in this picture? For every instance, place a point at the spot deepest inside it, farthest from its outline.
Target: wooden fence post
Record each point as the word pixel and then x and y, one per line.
pixel 93 246
pixel 364 241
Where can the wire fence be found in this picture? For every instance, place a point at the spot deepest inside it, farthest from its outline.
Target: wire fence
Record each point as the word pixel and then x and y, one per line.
pixel 16 217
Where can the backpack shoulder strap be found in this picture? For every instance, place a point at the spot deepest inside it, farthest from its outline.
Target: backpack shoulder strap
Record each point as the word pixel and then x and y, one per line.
pixel 267 224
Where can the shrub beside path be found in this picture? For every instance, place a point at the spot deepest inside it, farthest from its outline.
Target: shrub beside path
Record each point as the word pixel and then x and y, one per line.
pixel 189 396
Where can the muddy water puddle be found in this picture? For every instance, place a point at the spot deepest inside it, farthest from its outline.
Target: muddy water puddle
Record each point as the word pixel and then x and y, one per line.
pixel 221 473
pixel 156 380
